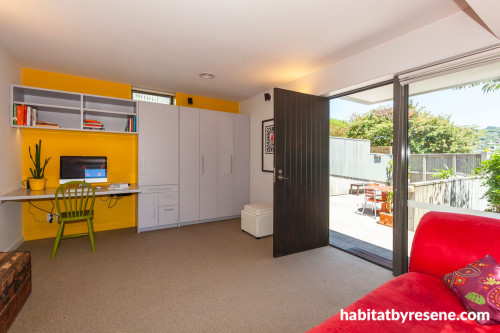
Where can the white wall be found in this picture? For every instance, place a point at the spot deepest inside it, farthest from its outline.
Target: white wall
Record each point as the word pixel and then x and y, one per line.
pixel 11 223
pixel 261 183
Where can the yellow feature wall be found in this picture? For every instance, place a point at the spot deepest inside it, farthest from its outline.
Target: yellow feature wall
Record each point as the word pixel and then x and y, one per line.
pixel 121 150
pixel 82 85
pixel 201 102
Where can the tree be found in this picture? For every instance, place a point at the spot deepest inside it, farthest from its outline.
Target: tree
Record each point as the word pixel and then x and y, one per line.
pixel 489 173
pixel 427 133
pixel 486 86
pixel 338 128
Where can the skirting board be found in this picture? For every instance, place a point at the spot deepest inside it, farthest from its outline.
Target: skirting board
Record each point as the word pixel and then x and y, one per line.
pixel 210 220
pixel 14 246
pixel 139 230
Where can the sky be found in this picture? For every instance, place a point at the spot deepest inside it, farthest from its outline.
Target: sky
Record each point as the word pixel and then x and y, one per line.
pixel 468 106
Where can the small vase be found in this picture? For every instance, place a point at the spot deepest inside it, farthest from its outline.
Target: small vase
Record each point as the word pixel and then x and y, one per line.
pixel 37 184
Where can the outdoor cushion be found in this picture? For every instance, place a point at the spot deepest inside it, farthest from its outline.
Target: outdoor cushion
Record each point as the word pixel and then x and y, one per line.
pixel 477 287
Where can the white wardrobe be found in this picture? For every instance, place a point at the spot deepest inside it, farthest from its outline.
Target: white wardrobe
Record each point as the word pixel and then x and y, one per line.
pixel 194 165
pixel 215 166
pixel 158 163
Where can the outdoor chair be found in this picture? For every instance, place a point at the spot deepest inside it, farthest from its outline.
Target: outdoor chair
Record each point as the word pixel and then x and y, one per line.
pixel 373 197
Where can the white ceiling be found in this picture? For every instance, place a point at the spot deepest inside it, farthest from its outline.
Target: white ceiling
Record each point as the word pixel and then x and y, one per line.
pixel 442 82
pixel 250 45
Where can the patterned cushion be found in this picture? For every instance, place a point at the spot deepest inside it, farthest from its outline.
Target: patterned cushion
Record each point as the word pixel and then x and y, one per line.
pixel 477 287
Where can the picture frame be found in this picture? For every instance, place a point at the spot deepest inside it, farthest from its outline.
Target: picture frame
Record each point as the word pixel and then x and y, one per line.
pixel 268 145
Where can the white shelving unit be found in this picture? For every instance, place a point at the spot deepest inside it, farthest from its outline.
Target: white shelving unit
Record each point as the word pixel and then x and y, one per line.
pixel 69 110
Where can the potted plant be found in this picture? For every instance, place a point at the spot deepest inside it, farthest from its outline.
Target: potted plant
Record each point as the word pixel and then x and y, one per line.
pixel 37 181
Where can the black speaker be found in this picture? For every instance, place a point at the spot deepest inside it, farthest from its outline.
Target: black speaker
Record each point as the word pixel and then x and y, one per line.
pixel 190 100
pixel 267 96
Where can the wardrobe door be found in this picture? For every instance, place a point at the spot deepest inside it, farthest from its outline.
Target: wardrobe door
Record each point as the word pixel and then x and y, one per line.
pixel 189 164
pixel 208 164
pixel 226 166
pixel 241 162
pixel 158 144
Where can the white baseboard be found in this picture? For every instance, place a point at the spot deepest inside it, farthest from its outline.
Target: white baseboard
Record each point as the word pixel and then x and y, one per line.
pixel 210 220
pixel 14 246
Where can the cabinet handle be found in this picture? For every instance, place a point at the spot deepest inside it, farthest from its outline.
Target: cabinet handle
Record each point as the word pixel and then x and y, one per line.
pixel 143 164
pixel 166 210
pixel 231 164
pixel 202 164
pixel 154 210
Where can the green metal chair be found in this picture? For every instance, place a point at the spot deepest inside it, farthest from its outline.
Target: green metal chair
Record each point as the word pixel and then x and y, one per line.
pixel 78 199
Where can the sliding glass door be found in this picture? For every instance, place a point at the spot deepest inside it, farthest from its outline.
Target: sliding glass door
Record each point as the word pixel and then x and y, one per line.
pixel 454 142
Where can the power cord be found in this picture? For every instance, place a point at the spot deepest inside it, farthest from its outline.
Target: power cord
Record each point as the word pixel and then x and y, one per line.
pixel 111 204
pixel 41 209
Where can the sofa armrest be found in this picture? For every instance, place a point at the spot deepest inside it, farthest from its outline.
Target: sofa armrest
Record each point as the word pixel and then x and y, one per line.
pixel 445 242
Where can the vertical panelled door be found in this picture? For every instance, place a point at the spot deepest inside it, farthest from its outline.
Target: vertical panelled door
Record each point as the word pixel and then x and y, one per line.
pixel 301 180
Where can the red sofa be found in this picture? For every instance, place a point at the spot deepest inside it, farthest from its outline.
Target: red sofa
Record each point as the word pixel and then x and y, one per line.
pixel 443 243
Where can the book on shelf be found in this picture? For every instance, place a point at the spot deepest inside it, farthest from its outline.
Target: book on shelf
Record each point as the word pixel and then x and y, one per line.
pixel 47 124
pixel 131 125
pixel 93 124
pixel 14 114
pixel 24 115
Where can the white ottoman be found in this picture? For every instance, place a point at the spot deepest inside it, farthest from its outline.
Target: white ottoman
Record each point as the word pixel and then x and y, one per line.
pixel 257 220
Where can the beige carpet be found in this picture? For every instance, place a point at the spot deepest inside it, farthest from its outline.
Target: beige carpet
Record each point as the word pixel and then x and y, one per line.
pixel 203 278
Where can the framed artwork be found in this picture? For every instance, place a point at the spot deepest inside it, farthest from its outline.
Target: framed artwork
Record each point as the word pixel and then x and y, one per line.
pixel 267 145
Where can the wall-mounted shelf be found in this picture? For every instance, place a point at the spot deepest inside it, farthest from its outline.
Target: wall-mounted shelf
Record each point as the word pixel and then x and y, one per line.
pixel 71 111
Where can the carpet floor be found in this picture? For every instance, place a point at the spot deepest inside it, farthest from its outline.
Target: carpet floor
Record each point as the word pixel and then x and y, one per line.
pixel 201 278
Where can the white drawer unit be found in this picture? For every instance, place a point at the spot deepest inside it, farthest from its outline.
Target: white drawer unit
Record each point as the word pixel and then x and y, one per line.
pixel 158 207
pixel 168 198
pixel 168 215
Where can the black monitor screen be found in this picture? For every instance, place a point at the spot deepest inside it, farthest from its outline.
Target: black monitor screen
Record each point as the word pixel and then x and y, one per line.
pixel 88 168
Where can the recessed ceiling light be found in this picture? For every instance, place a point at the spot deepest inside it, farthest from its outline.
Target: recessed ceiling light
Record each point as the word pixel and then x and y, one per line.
pixel 207 76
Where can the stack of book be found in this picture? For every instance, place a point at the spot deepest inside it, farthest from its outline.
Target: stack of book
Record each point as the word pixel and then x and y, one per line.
pixel 46 124
pixel 131 125
pixel 23 115
pixel 93 124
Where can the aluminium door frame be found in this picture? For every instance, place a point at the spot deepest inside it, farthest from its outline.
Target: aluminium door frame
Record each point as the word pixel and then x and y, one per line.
pixel 400 157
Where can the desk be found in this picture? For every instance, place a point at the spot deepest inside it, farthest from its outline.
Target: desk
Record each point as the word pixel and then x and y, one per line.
pixel 49 193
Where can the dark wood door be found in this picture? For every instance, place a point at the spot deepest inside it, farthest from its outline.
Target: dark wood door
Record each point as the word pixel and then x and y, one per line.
pixel 301 180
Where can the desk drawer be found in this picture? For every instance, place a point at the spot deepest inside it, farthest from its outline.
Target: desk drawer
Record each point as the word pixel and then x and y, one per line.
pixel 168 198
pixel 160 188
pixel 168 215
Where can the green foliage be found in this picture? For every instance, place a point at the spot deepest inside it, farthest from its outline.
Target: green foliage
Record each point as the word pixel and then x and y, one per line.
pixel 445 173
pixel 428 134
pixel 38 172
pixel 486 86
pixel 338 128
pixel 489 173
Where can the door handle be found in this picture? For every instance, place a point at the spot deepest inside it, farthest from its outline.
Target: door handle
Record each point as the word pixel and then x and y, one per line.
pixel 231 164
pixel 280 177
pixel 202 164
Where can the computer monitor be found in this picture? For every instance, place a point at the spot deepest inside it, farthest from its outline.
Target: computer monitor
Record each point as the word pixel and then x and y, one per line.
pixel 90 169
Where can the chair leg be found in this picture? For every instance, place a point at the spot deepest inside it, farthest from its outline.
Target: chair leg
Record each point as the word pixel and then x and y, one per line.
pixel 58 240
pixel 364 207
pixel 91 233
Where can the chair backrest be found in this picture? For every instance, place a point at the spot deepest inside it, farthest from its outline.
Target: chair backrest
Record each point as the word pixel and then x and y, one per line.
pixel 77 197
pixel 370 193
pixel 445 242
